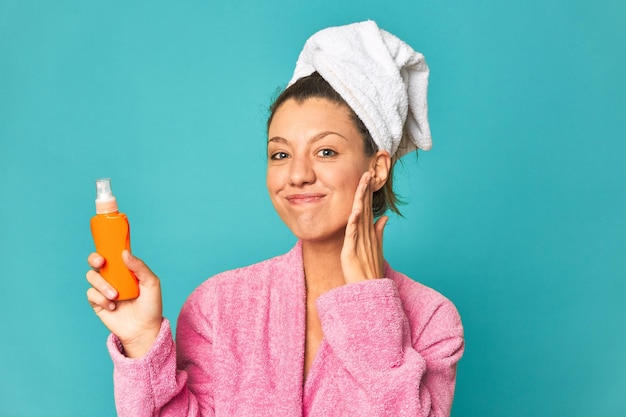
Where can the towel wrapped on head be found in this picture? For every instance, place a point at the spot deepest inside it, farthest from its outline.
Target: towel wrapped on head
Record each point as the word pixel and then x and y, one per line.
pixel 381 78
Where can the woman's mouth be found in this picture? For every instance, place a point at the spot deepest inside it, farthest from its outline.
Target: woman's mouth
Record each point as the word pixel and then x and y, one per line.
pixel 304 198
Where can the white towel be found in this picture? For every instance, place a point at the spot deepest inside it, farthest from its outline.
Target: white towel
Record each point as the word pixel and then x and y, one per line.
pixel 381 78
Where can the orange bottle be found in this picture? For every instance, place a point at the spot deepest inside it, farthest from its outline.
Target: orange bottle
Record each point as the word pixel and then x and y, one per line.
pixel 111 235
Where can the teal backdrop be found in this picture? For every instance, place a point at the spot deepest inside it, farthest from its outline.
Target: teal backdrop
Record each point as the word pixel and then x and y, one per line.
pixel 518 214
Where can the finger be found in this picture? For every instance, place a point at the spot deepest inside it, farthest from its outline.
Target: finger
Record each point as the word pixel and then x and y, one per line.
pixel 369 245
pixel 375 248
pixel 360 196
pixel 361 215
pixel 367 219
pixel 95 260
pixel 380 228
pixel 363 202
pixel 145 276
pixel 98 301
pixel 353 228
pixel 98 282
pixel 369 196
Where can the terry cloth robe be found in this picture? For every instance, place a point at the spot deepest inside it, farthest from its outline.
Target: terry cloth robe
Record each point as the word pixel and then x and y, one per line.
pixel 390 348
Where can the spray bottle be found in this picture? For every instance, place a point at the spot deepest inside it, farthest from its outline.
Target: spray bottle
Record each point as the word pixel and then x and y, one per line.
pixel 111 235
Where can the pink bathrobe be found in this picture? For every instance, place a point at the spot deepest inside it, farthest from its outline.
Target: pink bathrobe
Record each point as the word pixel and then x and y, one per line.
pixel 390 348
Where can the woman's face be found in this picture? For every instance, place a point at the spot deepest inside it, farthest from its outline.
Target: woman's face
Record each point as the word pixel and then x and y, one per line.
pixel 315 162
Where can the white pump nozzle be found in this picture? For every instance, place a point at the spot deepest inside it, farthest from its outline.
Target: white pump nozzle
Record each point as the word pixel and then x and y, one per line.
pixel 105 200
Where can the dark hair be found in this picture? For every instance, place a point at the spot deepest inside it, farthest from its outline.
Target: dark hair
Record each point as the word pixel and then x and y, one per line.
pixel 314 86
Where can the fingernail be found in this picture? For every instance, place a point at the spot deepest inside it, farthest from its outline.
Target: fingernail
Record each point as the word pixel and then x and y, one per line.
pixel 111 306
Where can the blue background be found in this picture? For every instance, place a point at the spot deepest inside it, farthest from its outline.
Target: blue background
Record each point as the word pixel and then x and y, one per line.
pixel 518 214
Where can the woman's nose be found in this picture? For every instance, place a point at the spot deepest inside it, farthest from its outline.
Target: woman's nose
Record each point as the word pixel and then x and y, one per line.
pixel 301 171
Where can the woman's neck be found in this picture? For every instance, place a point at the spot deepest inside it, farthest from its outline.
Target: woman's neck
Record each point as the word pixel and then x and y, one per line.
pixel 322 265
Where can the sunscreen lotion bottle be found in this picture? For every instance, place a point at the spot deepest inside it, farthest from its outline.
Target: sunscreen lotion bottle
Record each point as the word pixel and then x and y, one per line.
pixel 111 235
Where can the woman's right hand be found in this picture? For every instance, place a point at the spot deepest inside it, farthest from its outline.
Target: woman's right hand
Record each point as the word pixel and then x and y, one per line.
pixel 135 322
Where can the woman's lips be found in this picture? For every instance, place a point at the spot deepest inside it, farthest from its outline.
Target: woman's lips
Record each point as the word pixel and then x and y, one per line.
pixel 304 198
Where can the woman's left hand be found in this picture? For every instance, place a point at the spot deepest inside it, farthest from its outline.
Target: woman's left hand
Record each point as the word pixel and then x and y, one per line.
pixel 362 252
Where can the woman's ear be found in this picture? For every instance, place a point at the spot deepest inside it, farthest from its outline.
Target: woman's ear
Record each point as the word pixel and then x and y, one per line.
pixel 381 164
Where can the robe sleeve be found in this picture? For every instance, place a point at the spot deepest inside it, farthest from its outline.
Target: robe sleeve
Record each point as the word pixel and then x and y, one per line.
pixel 405 367
pixel 156 384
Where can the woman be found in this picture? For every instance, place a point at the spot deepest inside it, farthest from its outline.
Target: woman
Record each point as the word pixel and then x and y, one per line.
pixel 328 329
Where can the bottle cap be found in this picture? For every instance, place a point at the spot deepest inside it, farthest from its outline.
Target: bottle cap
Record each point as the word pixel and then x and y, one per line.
pixel 105 200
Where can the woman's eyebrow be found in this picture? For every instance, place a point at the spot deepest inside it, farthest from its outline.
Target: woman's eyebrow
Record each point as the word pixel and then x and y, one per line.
pixel 278 139
pixel 313 139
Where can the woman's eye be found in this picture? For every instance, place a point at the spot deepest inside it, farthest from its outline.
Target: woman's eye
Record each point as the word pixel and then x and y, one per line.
pixel 326 153
pixel 278 156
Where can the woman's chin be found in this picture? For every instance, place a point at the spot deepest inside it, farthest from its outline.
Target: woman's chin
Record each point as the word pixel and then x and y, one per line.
pixel 319 236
